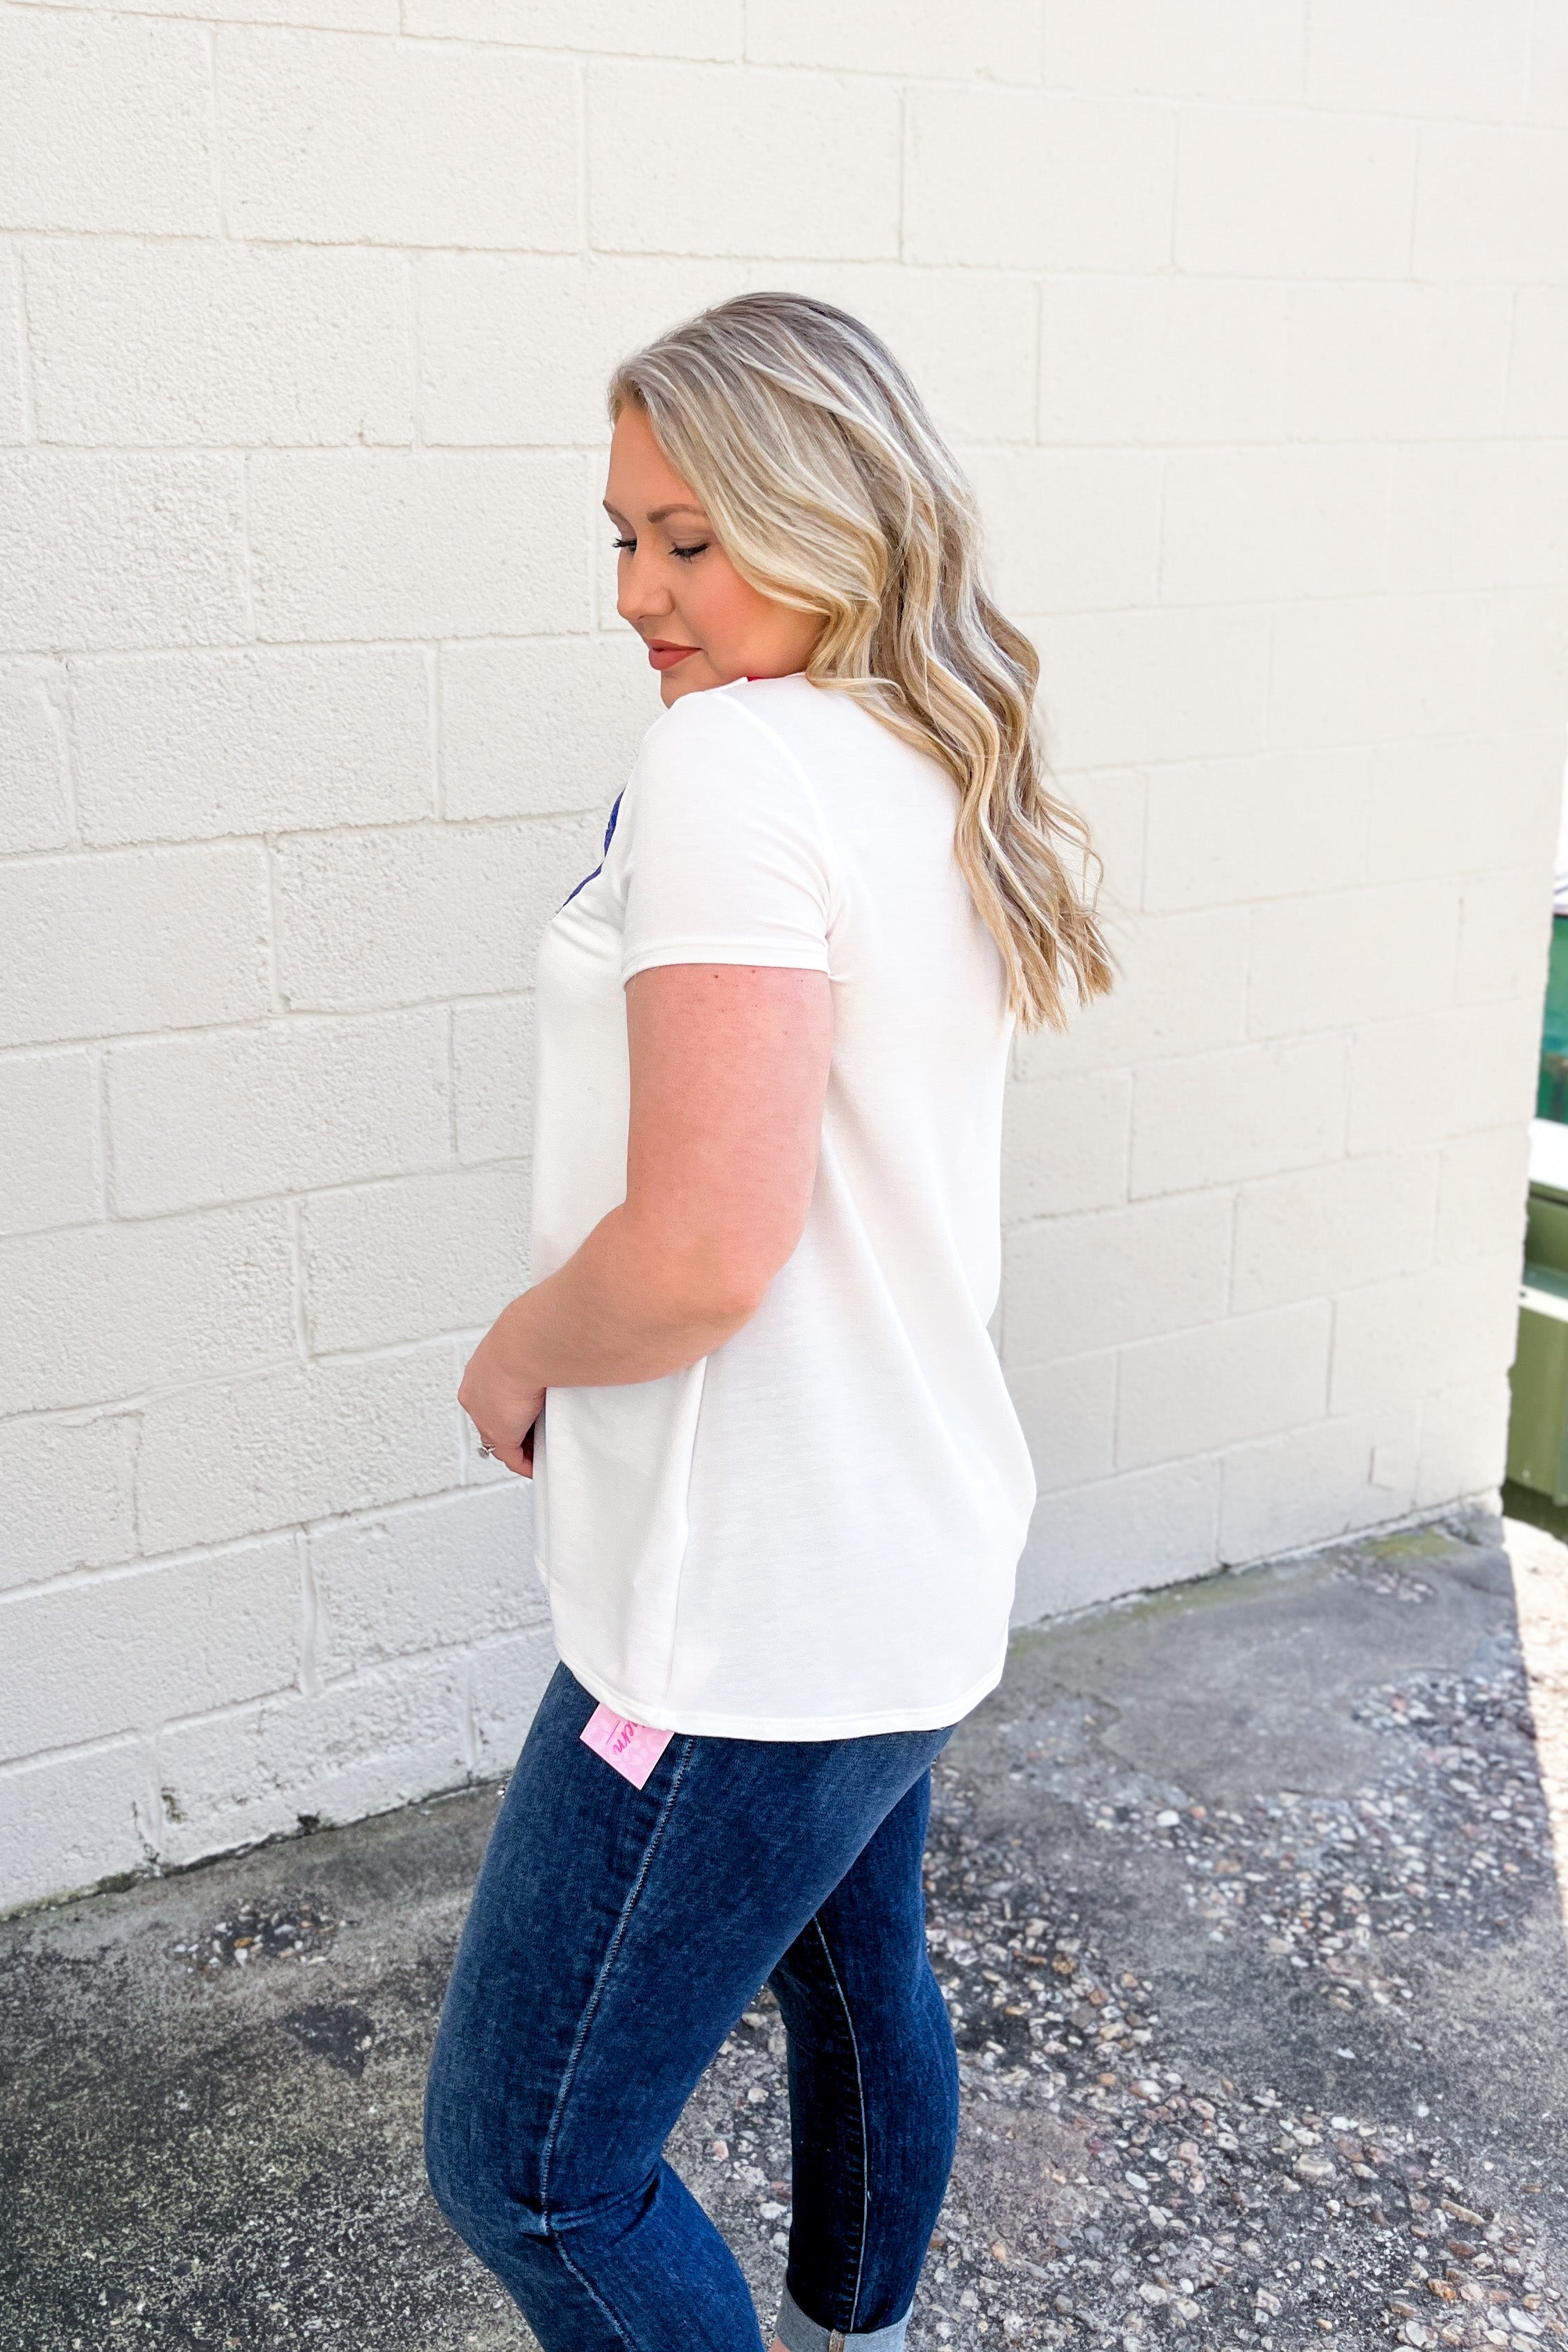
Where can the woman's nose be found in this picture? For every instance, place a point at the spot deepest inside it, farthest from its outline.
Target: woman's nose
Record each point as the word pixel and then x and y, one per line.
pixel 639 595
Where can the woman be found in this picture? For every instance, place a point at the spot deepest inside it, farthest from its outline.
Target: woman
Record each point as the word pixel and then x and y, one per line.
pixel 781 1491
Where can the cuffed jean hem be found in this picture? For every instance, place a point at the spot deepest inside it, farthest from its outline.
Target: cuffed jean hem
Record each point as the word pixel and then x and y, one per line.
pixel 799 2333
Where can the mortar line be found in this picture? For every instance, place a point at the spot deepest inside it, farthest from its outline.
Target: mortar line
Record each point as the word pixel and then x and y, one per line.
pixel 23 345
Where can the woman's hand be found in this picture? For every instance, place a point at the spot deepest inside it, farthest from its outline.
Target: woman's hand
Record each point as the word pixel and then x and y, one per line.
pixel 501 1404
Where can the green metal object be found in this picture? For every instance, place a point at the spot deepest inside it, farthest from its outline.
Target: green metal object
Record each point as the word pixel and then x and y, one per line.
pixel 1538 1417
pixel 1552 1088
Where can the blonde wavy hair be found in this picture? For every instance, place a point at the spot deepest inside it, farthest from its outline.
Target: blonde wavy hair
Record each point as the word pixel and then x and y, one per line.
pixel 832 491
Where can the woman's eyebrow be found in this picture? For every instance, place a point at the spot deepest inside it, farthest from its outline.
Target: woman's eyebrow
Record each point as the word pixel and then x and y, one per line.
pixel 679 505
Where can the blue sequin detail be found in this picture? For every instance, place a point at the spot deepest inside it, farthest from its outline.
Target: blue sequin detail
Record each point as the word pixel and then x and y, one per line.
pixel 609 836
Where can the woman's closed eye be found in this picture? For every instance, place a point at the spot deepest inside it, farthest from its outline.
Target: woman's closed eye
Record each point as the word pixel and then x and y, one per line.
pixel 629 547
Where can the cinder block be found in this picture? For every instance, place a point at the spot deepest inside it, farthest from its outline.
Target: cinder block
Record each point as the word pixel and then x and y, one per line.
pixel 1070 531
pixel 493 1077
pixel 1371 669
pixel 69 1499
pixel 1538 361
pixel 105 124
pixel 506 1680
pixel 1213 1118
pixel 1416 1335
pixel 105 549
pixel 1113 804
pixel 303 1441
pixel 1464 1442
pixel 104 1311
pixel 967 337
pixel 1170 684
pixel 13 404
pixel 1505 928
pixel 833 144
pixel 1162 360
pixel 1325 1480
pixel 335 15
pixel 703 28
pixel 48 1115
pixel 1328 1229
pixel 1481 1191
pixel 247 1112
pixel 1462 806
pixel 1442 1075
pixel 288 1762
pixel 218 342
pixel 1121 1535
pixel 1549 67
pixel 407 1260
pixel 337 140
pixel 380 917
pixel 173 746
pixel 1228 832
pixel 1490 514
pixel 1438 536
pixel 1080 1284
pixel 1065 1144
pixel 1193 1391
pixel 1228 48
pixel 543 725
pixel 1181 988
pixel 1420 57
pixel 1009 180
pixel 437 1576
pixel 71 1821
pixel 518 348
pixel 135 939
pixel 35 803
pixel 1256 525
pixel 1068 1410
pixel 1279 192
pixel 369 544
pixel 1492 203
pixel 1520 495
pixel 996 39
pixel 130 1650
pixel 1348 956
pixel 1521 657
pixel 1396 363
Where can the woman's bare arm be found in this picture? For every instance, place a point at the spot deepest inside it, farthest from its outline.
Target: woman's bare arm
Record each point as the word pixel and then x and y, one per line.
pixel 729 1070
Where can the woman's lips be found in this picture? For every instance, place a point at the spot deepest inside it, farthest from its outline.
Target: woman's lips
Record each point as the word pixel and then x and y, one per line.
pixel 665 656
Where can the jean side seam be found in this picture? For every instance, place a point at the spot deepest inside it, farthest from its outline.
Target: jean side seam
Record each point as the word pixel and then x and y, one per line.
pixel 590 2007
pixel 586 2283
pixel 865 2152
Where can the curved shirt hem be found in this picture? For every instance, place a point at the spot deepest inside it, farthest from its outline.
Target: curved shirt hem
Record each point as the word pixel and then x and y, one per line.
pixel 697 1723
pixel 766 955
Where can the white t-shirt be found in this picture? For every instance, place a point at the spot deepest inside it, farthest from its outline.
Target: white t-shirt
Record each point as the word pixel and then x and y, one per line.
pixel 813 1533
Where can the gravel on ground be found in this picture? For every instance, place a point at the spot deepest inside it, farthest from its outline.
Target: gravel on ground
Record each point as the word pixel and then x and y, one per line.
pixel 1242 1896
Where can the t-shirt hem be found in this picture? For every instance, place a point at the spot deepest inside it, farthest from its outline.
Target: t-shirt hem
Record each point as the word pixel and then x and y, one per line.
pixel 699 1723
pixel 762 952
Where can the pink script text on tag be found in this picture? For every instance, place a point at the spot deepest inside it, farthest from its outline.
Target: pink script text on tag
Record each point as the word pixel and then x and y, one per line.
pixel 632 1749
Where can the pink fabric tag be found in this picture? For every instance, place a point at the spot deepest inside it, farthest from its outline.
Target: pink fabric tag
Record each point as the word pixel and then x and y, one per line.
pixel 632 1749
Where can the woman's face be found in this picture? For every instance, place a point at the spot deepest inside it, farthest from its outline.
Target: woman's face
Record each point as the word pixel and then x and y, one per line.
pixel 703 624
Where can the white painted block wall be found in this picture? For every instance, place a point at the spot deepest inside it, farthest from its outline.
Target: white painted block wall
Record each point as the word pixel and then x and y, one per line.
pixel 1253 326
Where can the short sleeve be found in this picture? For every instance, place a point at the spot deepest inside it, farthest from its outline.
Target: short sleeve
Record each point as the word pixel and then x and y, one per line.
pixel 721 847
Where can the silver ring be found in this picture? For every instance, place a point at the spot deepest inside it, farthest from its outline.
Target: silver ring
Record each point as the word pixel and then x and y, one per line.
pixel 486 1451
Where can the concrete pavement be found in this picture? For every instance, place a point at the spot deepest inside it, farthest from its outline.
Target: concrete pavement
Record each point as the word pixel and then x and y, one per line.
pixel 1244 1899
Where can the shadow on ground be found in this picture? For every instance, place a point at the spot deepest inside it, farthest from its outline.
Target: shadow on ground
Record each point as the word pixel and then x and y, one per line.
pixel 1243 1900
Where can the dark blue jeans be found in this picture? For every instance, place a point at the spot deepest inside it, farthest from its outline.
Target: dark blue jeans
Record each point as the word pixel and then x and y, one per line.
pixel 616 1936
